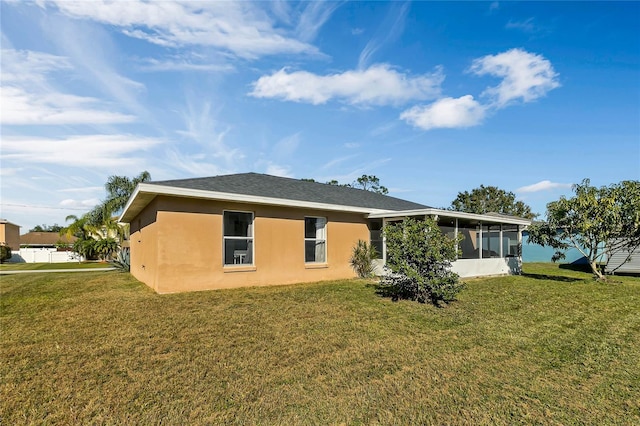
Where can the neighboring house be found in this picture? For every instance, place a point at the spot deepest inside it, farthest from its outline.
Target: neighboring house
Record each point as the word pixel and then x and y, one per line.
pixel 46 240
pixel 45 247
pixel 624 262
pixel 253 230
pixel 10 234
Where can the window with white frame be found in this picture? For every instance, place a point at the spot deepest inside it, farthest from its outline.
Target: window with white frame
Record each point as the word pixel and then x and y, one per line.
pixel 315 240
pixel 238 238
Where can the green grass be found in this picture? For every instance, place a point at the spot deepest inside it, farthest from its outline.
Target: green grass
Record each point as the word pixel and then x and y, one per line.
pixel 43 266
pixel 550 347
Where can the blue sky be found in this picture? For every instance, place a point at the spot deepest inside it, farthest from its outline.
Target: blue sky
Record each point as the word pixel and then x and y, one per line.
pixel 434 98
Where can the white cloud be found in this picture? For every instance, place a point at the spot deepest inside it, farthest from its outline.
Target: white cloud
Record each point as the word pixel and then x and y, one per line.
pixel 27 97
pixel 240 28
pixel 69 202
pixel 191 164
pixel 313 17
pixel 94 151
pixel 285 147
pixel 182 64
pixel 278 170
pixel 83 189
pixel 446 113
pixel 93 56
pixel 544 185
pixel 526 76
pixel 389 31
pixel 29 66
pixel 10 171
pixel 379 84
pixel 202 128
pixel 526 26
pixel 336 161
pixel 20 108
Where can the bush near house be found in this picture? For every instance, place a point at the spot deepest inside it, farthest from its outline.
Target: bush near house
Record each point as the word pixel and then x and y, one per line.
pixel 419 259
pixel 5 253
pixel 362 259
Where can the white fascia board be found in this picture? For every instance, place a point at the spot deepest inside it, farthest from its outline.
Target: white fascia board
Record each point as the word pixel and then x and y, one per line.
pixel 6 222
pixel 449 213
pixel 240 198
pixel 128 205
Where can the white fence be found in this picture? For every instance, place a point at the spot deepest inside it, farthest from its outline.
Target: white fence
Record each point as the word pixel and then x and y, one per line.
pixel 44 255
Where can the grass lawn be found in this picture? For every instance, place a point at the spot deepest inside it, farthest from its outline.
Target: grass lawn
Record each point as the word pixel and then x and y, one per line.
pixel 42 266
pixel 548 347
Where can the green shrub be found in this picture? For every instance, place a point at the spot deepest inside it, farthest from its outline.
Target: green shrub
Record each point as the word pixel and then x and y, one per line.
pixel 5 253
pixel 123 260
pixel 419 260
pixel 105 247
pixel 85 248
pixel 362 259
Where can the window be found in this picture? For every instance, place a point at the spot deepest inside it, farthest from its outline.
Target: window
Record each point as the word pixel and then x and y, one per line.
pixel 315 240
pixel 238 238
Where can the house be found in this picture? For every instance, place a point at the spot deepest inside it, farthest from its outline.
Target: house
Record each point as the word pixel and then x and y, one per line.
pixel 45 247
pixel 255 230
pixel 623 261
pixel 46 240
pixel 9 234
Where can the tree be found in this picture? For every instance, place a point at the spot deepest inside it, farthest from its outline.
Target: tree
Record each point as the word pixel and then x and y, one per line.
pixel 595 221
pixel 419 257
pixel 366 182
pixel 370 183
pixel 490 199
pixel 46 228
pixel 106 247
pixel 98 231
pixel 81 228
pixel 120 188
pixel 85 248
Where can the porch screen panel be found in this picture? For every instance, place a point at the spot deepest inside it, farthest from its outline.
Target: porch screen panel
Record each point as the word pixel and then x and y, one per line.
pixel 510 245
pixel 490 241
pixel 469 244
pixel 375 236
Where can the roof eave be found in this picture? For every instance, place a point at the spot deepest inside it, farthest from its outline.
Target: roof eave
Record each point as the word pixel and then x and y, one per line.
pixel 450 213
pixel 145 193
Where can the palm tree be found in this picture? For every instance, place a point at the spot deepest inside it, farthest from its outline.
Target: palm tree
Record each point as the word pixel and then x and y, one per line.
pixel 98 230
pixel 120 188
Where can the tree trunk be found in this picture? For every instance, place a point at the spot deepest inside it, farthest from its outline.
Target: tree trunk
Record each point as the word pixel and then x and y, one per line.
pixel 596 271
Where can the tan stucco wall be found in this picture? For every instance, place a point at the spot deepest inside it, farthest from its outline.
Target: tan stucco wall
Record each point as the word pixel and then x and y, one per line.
pixel 10 235
pixel 188 236
pixel 143 243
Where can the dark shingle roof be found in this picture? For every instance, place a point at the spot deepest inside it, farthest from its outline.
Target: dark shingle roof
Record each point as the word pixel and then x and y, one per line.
pixel 292 189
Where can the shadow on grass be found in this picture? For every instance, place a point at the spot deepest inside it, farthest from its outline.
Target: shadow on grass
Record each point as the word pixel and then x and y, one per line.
pixel 560 278
pixel 578 267
pixel 397 293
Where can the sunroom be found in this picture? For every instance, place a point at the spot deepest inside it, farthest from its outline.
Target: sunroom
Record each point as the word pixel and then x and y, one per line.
pixel 491 243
